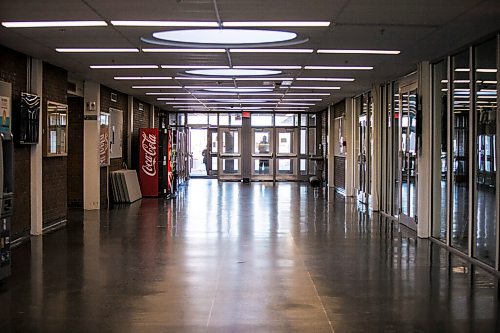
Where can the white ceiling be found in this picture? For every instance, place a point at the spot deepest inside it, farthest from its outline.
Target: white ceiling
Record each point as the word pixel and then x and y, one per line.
pixel 422 30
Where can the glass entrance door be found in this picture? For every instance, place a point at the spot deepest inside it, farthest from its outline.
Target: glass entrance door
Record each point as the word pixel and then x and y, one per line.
pixel 262 154
pixel 363 156
pixel 286 153
pixel 408 156
pixel 229 140
pixel 211 153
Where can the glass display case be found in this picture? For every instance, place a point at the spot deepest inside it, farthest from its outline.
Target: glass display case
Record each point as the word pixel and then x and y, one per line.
pixel 56 130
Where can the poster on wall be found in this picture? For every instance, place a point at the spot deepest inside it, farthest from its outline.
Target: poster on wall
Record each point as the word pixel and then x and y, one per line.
pixel 5 114
pixel 29 119
pixel 104 139
pixel 115 133
pixel 148 161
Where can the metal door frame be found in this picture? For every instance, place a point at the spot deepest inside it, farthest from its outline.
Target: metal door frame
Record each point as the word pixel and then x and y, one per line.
pixel 271 155
pixel 292 156
pixel 221 156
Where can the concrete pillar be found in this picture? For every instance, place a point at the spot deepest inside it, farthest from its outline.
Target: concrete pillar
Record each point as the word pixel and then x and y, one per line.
pixel 35 86
pixel 332 135
pixel 91 171
pixel 376 149
pixel 425 151
pixel 350 133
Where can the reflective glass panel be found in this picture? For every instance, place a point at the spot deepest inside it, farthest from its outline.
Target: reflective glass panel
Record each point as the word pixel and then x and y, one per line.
pixel 230 142
pixel 460 136
pixel 486 87
pixel 260 119
pixel 285 143
pixel 262 142
pixel 286 120
pixel 230 165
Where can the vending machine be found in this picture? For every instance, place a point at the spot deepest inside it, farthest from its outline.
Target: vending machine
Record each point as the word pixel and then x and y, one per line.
pixel 148 161
pixel 6 200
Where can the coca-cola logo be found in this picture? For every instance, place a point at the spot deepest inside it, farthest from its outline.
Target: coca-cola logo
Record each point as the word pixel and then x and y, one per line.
pixel 148 146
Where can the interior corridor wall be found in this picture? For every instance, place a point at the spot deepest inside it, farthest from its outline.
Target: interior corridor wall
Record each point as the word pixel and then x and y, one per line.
pixel 54 179
pixel 13 70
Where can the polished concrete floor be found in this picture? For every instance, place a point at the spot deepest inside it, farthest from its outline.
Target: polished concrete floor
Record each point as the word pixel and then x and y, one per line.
pixel 232 257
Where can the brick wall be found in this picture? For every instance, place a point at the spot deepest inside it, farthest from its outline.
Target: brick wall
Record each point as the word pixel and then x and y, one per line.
pixel 13 70
pixel 75 152
pixel 141 120
pixel 54 179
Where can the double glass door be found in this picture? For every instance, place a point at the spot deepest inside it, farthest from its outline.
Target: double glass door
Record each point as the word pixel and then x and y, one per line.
pixel 408 155
pixel 274 153
pixel 229 151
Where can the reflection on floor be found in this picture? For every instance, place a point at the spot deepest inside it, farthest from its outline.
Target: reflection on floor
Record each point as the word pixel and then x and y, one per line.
pixel 232 257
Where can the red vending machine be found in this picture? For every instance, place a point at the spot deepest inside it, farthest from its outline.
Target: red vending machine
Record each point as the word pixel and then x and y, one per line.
pixel 148 161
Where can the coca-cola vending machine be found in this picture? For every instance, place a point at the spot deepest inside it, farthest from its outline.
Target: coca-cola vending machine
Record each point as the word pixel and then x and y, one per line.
pixel 148 161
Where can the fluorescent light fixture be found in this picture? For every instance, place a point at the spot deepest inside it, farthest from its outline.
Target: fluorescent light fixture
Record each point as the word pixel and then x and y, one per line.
pixel 490 82
pixel 462 69
pixel 182 103
pixel 359 51
pixel 224 36
pixel 340 67
pixel 233 72
pixel 304 104
pixel 143 78
pixel 264 78
pixel 233 100
pixel 166 93
pixel 156 87
pixel 314 88
pixel 240 90
pixel 261 94
pixel 291 107
pixel 222 87
pixel 247 24
pixel 175 99
pixel 53 24
pixel 193 50
pixel 302 99
pixel 307 94
pixel 191 67
pixel 205 78
pixel 165 24
pixel 325 79
pixel 271 50
pixel 268 67
pixel 486 70
pixel 206 93
pixel 124 66
pixel 97 50
pixel 229 103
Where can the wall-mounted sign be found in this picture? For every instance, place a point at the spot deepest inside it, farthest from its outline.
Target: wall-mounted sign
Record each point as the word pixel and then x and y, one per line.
pixel 29 119
pixel 104 139
pixel 5 114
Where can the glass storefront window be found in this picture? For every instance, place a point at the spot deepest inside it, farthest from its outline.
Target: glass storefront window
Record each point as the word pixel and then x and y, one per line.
pixel 303 120
pixel 261 119
pixel 197 119
pixel 486 88
pixel 312 141
pixel 440 151
pixel 303 141
pixel 286 120
pixel 226 119
pixel 230 142
pixel 212 119
pixel 460 150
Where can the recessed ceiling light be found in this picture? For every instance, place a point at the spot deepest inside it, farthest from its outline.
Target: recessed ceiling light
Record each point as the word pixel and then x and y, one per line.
pixel 190 67
pixel 192 50
pixel 277 24
pixel 360 51
pixel 96 50
pixel 167 93
pixel 51 24
pixel 124 66
pixel 314 88
pixel 271 50
pixel 268 67
pixel 156 87
pixel 165 24
pixel 326 79
pixel 224 36
pixel 233 72
pixel 340 67
pixel 143 78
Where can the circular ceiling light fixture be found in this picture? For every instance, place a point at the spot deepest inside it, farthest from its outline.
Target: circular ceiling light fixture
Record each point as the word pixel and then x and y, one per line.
pixel 233 72
pixel 240 90
pixel 225 38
